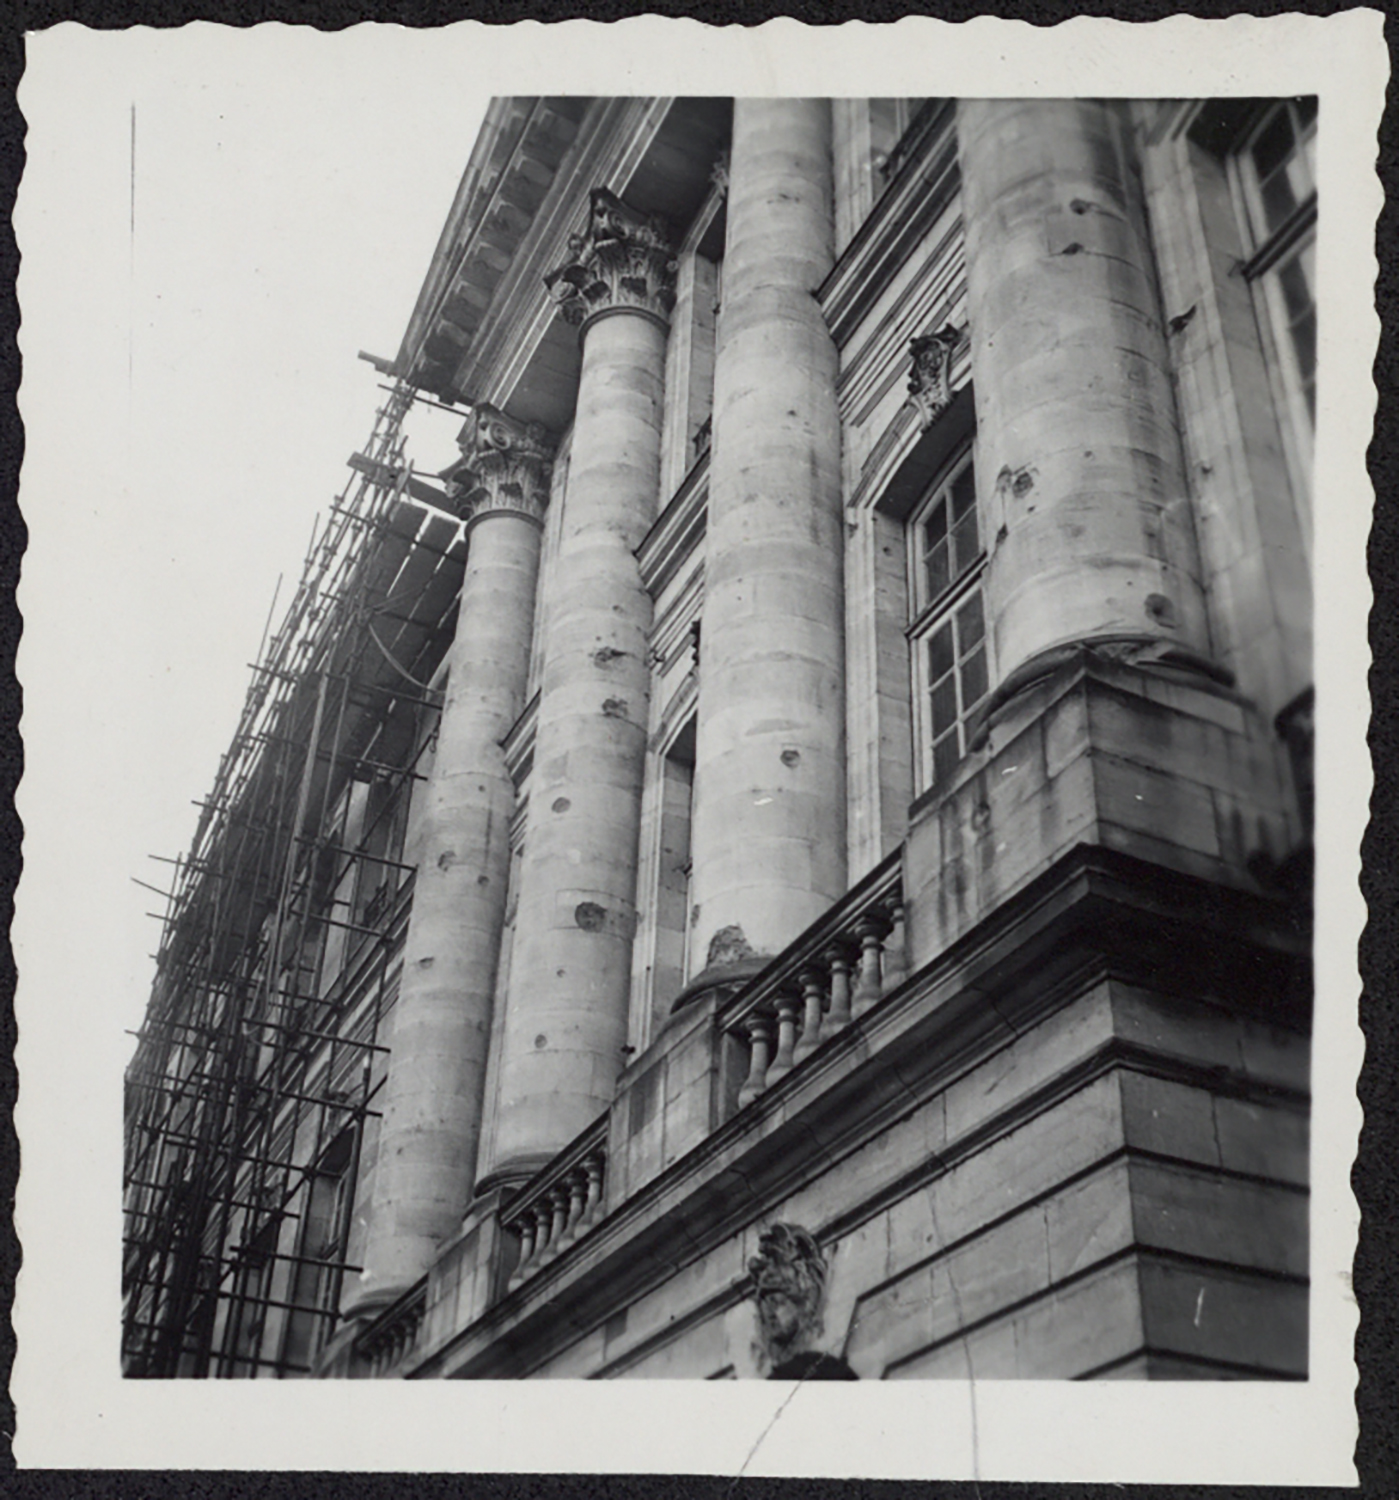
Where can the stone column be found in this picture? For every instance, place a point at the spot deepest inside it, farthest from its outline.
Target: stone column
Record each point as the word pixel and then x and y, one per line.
pixel 1088 523
pixel 565 1017
pixel 441 1024
pixel 768 838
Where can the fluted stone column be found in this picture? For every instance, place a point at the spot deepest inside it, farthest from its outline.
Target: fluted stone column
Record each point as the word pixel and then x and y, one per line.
pixel 441 1024
pixel 565 1016
pixel 1089 530
pixel 768 836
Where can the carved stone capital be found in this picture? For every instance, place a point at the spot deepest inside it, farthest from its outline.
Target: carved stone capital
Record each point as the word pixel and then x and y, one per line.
pixel 623 259
pixel 504 465
pixel 930 380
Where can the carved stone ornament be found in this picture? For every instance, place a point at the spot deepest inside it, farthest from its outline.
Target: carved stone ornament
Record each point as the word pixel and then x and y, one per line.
pixel 504 465
pixel 930 381
pixel 622 259
pixel 789 1286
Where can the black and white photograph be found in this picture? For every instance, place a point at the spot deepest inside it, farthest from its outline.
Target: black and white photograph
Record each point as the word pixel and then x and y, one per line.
pixel 696 727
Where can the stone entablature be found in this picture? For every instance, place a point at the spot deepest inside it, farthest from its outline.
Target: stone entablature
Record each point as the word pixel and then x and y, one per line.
pixel 623 259
pixel 505 465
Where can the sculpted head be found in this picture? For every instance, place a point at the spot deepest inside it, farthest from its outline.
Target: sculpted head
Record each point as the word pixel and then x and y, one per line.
pixel 789 1284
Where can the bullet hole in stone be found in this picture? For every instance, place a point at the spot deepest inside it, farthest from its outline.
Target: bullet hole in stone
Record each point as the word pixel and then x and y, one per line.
pixel 1023 483
pixel 1078 206
pixel 589 916
pixel 1073 249
pixel 562 804
pixel 446 859
pixel 1003 533
pixel 1181 320
pixel 426 963
pixel 790 757
pixel 540 1040
pixel 615 708
pixel 981 815
pixel 605 655
pixel 1162 610
pixel 483 880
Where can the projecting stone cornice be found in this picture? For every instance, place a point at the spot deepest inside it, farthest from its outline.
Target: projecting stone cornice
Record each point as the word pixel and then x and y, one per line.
pixel 505 466
pixel 622 259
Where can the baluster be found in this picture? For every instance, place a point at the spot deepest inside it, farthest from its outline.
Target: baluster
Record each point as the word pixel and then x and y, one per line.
pixel 525 1228
pixel 839 1014
pixel 870 930
pixel 895 946
pixel 813 999
pixel 787 1009
pixel 593 1206
pixel 558 1197
pixel 577 1186
pixel 543 1219
pixel 760 1052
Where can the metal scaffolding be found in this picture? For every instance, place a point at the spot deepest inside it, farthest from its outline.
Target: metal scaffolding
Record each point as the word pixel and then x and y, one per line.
pixel 251 1097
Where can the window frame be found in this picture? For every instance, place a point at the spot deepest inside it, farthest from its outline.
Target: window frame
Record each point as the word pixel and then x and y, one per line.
pixel 931 612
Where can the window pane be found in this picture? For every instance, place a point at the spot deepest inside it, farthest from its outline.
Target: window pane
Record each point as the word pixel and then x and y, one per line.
pixel 1278 200
pixel 966 543
pixel 940 654
pixel 935 527
pixel 1274 142
pixel 937 574
pixel 944 697
pixel 963 493
pixel 970 624
pixel 1296 279
pixel 974 678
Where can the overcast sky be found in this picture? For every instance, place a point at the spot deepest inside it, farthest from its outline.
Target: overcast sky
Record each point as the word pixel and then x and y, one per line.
pixel 191 393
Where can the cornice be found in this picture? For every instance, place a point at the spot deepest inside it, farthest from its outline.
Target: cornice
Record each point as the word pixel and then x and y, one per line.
pixel 677 531
pixel 922 190
pixel 612 140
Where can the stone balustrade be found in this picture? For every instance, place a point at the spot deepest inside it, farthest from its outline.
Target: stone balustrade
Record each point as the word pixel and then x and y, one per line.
pixel 838 970
pixel 388 1340
pixel 561 1204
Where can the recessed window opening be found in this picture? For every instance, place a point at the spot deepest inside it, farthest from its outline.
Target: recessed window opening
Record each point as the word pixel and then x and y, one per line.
pixel 951 665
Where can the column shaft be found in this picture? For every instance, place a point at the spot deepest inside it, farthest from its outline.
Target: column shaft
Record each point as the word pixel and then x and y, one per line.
pixel 1088 528
pixel 769 829
pixel 565 1021
pixel 441 1023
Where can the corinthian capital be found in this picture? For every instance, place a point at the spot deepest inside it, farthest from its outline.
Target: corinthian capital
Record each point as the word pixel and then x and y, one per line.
pixel 622 259
pixel 504 465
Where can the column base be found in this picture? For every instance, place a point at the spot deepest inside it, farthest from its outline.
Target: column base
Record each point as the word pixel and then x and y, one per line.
pixel 1105 745
pixel 722 980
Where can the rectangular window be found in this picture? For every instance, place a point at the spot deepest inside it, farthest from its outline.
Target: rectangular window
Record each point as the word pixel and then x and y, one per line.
pixel 1275 173
pixel 951 668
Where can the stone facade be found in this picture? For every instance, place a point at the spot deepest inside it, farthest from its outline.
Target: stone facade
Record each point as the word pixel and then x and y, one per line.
pixel 858 802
